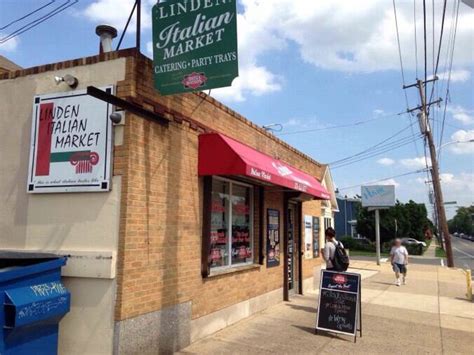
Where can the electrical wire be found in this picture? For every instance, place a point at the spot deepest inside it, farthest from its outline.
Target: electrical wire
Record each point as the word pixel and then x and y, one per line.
pixel 449 78
pixel 376 153
pixel 416 41
pixel 27 15
pixel 400 52
pixel 358 123
pixel 439 45
pixel 384 179
pixel 425 43
pixel 372 147
pixel 39 21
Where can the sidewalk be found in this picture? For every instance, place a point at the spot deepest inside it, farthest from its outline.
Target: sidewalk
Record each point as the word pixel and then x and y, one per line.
pixel 429 316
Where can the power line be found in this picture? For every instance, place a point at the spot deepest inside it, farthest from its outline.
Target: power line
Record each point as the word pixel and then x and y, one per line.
pixel 358 123
pixel 376 153
pixel 400 51
pixel 384 179
pixel 416 41
pixel 425 43
pixel 439 44
pixel 381 143
pixel 39 21
pixel 449 77
pixel 27 15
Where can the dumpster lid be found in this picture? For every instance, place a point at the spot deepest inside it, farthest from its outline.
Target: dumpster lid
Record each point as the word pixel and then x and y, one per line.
pixel 8 254
pixel 9 259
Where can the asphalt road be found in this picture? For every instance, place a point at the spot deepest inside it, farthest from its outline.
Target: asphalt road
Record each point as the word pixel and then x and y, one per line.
pixel 463 253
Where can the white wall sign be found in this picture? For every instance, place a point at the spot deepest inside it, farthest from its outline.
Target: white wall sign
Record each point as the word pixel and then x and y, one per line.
pixel 378 196
pixel 71 143
pixel 308 237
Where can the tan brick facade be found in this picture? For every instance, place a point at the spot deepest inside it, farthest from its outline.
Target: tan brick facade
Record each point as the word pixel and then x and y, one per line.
pixel 160 237
pixel 161 212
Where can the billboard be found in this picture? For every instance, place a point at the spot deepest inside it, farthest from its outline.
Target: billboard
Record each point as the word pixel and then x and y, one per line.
pixel 194 45
pixel 378 196
pixel 71 143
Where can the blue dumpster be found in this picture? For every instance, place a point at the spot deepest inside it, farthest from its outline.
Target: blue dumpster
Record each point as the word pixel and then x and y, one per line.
pixel 32 302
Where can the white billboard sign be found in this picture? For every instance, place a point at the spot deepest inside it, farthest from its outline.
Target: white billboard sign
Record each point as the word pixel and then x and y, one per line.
pixel 378 196
pixel 71 143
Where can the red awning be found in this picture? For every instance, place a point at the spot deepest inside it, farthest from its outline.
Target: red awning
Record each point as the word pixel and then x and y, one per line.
pixel 221 155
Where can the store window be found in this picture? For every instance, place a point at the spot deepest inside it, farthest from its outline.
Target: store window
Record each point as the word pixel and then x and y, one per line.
pixel 231 241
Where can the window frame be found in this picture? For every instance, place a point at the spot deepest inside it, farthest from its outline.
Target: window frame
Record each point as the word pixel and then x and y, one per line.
pixel 251 225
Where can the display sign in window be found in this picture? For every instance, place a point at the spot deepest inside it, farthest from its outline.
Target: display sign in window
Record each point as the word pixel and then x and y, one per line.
pixel 231 236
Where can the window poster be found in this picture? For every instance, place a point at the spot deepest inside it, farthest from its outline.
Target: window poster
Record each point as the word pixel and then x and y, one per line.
pixel 308 237
pixel 273 238
pixel 315 237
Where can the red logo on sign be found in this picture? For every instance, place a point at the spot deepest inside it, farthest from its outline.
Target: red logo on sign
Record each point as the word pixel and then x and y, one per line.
pixel 339 279
pixel 194 80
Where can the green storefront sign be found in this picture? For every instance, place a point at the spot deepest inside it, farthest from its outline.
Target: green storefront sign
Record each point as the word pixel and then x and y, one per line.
pixel 194 45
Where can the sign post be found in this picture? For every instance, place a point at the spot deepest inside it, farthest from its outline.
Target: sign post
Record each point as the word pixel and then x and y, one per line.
pixel 377 235
pixel 378 197
pixel 340 305
pixel 194 45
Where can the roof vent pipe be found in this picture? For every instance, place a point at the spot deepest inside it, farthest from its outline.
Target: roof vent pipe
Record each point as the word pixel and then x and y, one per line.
pixel 106 34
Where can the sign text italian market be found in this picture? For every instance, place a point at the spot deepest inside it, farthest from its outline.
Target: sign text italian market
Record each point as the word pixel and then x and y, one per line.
pixel 194 45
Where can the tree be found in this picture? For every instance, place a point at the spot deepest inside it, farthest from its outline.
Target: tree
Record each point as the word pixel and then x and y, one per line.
pixel 462 222
pixel 408 220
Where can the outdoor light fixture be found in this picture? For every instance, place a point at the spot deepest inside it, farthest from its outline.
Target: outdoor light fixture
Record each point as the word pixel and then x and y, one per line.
pixel 68 79
pixel 116 117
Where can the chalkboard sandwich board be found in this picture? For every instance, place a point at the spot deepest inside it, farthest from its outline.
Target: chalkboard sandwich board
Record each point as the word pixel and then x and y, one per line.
pixel 339 309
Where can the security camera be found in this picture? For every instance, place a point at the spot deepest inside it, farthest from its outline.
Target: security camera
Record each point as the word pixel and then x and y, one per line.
pixel 116 117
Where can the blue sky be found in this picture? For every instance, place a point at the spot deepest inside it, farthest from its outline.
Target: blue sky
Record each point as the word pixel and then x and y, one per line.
pixel 310 65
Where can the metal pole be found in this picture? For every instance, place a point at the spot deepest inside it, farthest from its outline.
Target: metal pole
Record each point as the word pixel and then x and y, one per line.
pixel 377 235
pixel 436 180
pixel 139 19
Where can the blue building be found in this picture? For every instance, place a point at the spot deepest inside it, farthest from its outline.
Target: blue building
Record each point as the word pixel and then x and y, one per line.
pixel 345 221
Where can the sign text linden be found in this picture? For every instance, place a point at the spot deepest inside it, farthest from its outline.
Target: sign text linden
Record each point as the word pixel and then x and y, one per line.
pixel 194 45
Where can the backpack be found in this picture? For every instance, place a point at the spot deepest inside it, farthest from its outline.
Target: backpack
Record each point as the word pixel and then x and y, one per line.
pixel 340 261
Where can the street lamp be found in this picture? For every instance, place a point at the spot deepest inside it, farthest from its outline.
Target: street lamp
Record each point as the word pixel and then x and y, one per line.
pixel 454 142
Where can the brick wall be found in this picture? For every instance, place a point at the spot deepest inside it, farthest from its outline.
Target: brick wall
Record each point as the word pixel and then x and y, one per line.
pixel 160 238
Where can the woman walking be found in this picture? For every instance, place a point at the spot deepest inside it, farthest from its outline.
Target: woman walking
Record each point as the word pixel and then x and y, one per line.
pixel 399 260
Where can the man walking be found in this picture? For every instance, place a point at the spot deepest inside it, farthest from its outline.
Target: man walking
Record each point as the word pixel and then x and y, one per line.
pixel 399 260
pixel 329 252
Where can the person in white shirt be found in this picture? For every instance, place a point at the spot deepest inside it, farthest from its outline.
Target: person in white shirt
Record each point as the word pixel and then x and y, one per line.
pixel 329 249
pixel 399 260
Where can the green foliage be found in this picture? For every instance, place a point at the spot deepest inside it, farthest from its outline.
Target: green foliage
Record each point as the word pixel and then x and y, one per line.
pixel 462 221
pixel 404 220
pixel 440 253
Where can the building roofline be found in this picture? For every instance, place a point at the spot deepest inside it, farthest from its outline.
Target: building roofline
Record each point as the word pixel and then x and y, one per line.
pixel 133 52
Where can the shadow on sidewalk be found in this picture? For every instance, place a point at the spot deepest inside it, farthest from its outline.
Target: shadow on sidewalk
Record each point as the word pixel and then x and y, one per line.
pixel 302 308
pixel 321 333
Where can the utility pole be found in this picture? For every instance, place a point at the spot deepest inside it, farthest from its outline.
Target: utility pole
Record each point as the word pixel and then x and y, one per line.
pixel 426 130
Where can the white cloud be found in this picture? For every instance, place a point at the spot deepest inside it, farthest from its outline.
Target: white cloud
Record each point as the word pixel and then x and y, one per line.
pixel 116 13
pixel 253 79
pixel 386 161
pixel 462 148
pixel 461 114
pixel 149 49
pixel 390 182
pixel 348 36
pixel 458 187
pixel 10 45
pixel 460 75
pixel 416 163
